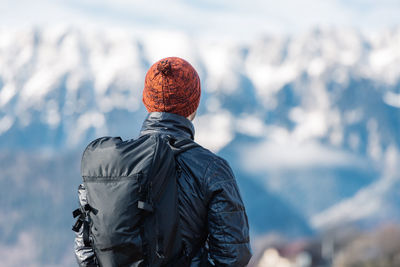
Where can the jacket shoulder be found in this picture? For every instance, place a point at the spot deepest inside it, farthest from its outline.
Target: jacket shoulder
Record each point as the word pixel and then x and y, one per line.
pixel 213 168
pixel 205 156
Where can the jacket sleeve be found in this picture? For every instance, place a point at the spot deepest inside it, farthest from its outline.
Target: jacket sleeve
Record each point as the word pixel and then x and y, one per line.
pixel 84 255
pixel 229 242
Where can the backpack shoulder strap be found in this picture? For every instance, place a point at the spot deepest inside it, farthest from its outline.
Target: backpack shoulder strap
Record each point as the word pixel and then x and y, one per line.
pixel 180 145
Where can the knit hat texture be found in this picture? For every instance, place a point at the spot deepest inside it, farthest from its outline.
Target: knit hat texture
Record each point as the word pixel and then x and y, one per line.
pixel 172 85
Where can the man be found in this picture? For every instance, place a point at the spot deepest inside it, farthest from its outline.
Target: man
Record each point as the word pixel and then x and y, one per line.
pixel 213 220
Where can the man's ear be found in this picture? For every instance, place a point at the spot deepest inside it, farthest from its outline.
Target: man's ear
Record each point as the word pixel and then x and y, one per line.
pixel 192 116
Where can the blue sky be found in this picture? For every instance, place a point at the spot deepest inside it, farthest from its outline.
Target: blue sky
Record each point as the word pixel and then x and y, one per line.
pixel 234 18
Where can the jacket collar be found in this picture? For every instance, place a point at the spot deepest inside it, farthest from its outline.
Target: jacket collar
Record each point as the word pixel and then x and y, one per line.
pixel 167 123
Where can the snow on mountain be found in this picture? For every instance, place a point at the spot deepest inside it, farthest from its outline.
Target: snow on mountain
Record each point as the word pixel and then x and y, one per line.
pixel 309 122
pixel 68 79
pixel 376 202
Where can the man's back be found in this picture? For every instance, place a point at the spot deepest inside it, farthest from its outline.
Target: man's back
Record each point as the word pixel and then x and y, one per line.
pixel 209 201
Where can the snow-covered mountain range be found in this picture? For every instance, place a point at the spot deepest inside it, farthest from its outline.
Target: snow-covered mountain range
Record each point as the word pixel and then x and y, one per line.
pixel 310 123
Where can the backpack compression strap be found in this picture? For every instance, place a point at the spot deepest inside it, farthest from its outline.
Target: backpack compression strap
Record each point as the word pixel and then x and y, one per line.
pixel 82 220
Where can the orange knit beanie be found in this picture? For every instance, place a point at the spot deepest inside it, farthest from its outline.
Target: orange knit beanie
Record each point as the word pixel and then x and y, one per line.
pixel 172 85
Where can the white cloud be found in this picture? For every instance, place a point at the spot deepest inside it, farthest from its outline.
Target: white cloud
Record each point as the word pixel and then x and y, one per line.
pixel 250 125
pixel 6 123
pixel 285 154
pixel 23 253
pixel 214 131
pixel 91 119
pixel 392 99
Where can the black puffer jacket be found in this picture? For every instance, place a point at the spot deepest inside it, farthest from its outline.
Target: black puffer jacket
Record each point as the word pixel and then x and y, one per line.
pixel 211 209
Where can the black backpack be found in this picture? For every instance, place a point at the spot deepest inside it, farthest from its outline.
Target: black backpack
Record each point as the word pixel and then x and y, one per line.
pixel 132 217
